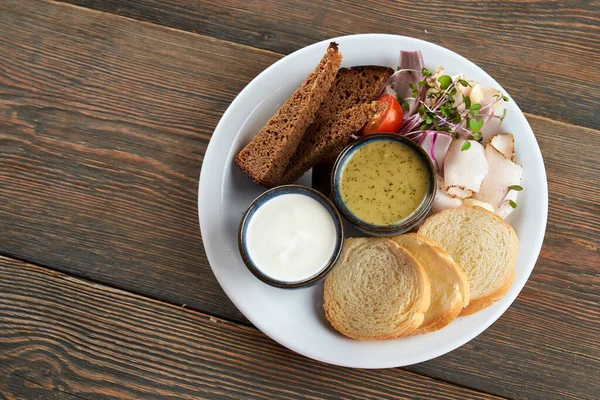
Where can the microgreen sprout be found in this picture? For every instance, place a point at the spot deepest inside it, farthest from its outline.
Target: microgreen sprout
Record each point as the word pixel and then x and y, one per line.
pixel 440 107
pixel 445 81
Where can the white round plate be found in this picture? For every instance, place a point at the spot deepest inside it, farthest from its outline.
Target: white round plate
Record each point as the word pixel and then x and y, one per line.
pixel 295 318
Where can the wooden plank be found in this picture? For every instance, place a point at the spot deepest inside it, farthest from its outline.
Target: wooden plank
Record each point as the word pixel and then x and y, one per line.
pixel 103 124
pixel 94 342
pixel 15 387
pixel 545 53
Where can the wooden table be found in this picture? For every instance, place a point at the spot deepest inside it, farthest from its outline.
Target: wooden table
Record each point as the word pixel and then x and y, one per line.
pixel 106 109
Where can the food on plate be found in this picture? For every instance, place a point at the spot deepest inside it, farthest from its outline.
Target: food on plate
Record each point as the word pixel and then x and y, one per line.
pixel 502 184
pixel 464 171
pixel 329 139
pixel 290 235
pixel 378 291
pixel 455 120
pixel 478 203
pixel 266 157
pixel 484 246
pixel 346 108
pixel 442 199
pixel 449 285
pixel 384 181
pixel 387 120
pixel 433 145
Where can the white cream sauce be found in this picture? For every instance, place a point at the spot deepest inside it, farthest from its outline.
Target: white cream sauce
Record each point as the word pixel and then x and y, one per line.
pixel 291 237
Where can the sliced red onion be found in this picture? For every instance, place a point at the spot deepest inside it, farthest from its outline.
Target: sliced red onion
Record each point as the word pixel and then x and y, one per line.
pixel 436 144
pixel 411 64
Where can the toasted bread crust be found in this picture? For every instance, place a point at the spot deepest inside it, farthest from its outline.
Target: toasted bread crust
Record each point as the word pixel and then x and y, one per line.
pixel 504 282
pixel 487 301
pixel 404 321
pixel 449 286
pixel 266 157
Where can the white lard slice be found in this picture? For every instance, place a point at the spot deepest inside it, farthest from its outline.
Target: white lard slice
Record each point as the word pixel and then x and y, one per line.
pixel 505 144
pixel 464 171
pixel 485 95
pixel 502 173
pixel 441 200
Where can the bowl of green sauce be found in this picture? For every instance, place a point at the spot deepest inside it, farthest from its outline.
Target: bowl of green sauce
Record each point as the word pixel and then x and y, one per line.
pixel 384 184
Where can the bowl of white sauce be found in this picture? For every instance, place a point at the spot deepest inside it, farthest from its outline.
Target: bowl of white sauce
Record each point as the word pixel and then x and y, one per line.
pixel 291 236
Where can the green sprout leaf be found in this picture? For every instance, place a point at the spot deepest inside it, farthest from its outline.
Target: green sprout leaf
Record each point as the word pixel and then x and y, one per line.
pixel 467 102
pixel 405 105
pixel 512 204
pixel 475 125
pixel 515 187
pixel 463 82
pixel 477 136
pixel 504 98
pixel 445 82
pixel 414 89
pixel 474 109
pixel 426 72
pixel 503 115
pixel 466 146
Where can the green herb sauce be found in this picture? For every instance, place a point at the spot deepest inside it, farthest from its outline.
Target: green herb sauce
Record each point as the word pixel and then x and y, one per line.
pixel 383 182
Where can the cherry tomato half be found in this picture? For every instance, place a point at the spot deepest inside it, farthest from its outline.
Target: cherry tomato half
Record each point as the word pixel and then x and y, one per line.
pixel 385 121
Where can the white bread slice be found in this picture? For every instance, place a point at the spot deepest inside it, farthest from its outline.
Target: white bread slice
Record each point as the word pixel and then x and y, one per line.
pixel 449 286
pixel 377 291
pixel 483 245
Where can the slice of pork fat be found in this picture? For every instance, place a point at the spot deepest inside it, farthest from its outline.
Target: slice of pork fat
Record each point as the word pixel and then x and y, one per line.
pixel 436 144
pixel 441 201
pixel 491 105
pixel 464 170
pixel 503 173
pixel 505 144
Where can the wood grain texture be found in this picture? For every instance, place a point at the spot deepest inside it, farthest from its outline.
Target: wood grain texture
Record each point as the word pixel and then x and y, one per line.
pixel 63 334
pixel 14 386
pixel 103 124
pixel 545 53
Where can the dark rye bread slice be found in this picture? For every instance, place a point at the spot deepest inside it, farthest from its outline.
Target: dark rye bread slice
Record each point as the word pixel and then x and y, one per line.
pixel 266 157
pixel 353 86
pixel 329 139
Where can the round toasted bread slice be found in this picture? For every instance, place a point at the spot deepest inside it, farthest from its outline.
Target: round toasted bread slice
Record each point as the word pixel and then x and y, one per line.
pixel 449 286
pixel 483 245
pixel 377 291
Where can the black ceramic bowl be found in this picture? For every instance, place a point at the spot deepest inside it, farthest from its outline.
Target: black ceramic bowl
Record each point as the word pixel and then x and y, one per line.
pixel 270 194
pixel 383 230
